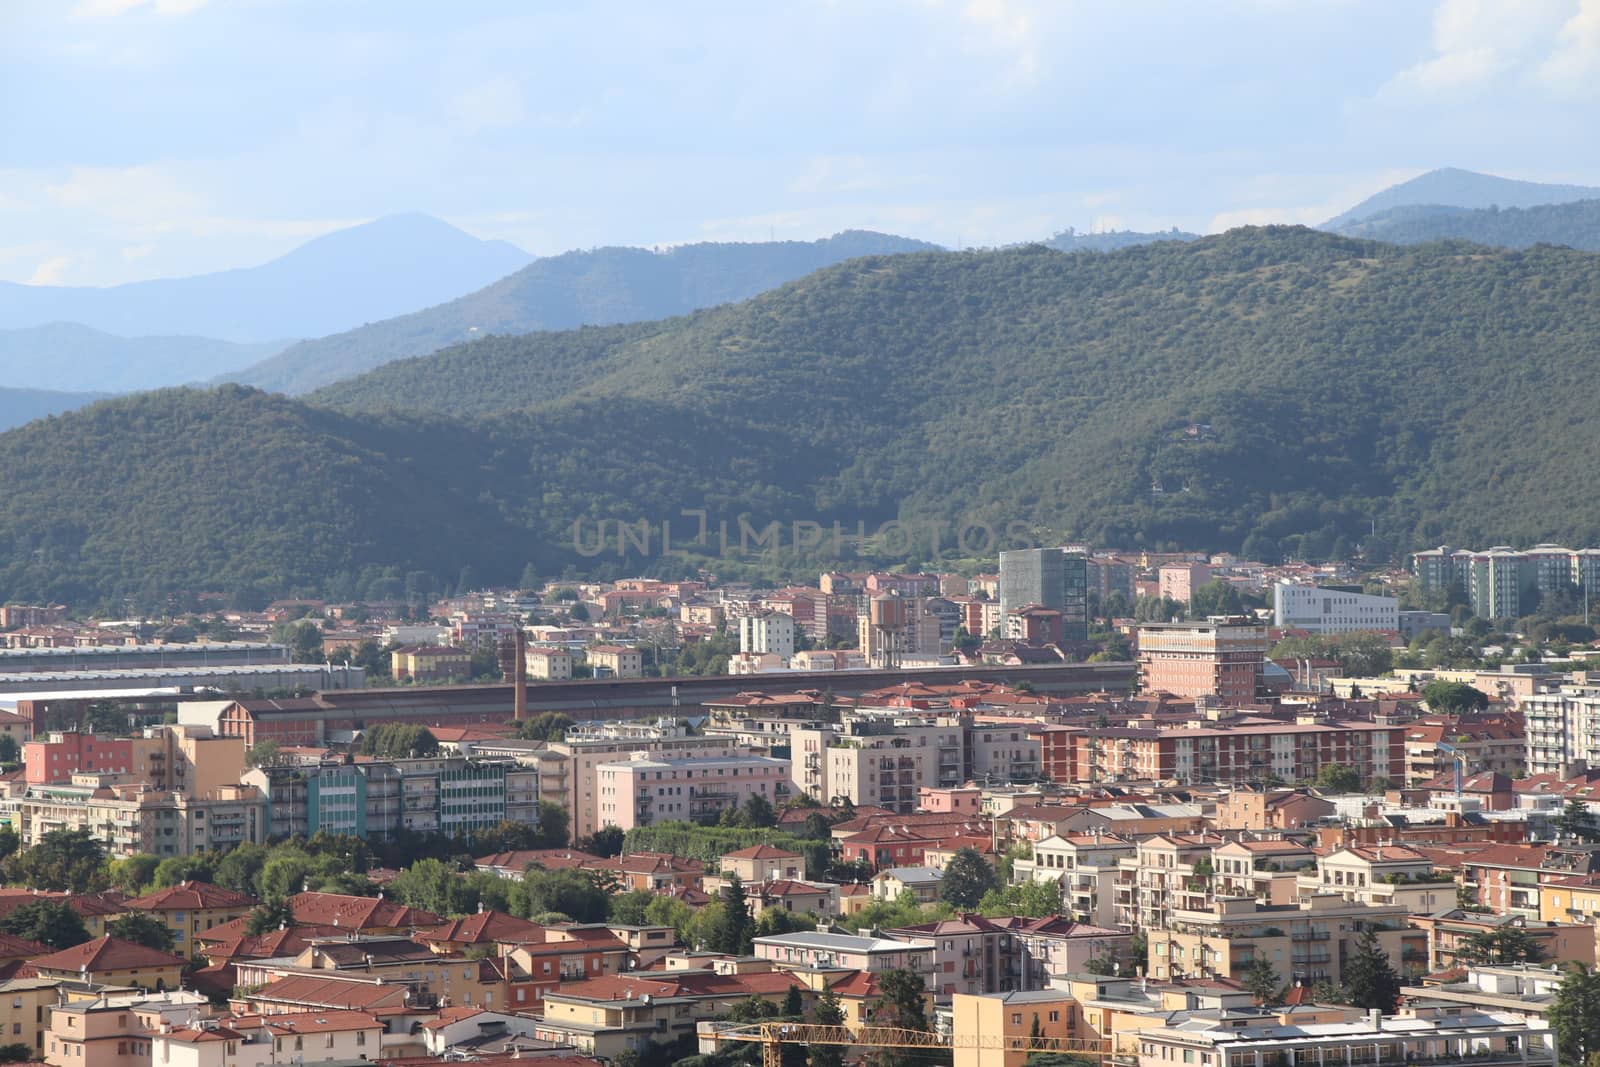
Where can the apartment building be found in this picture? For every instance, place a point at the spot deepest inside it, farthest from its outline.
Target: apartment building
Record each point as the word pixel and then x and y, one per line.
pixel 1291 752
pixel 615 661
pixel 570 780
pixel 1165 874
pixel 1439 1035
pixel 888 764
pixel 1222 658
pixel 1325 610
pixel 260 1040
pixel 1502 582
pixel 1012 1021
pixel 430 663
pixel 189 909
pixel 549 664
pixel 1307 943
pixel 1563 728
pixel 767 633
pixel 1381 876
pixel 812 950
pixel 1178 581
pixel 188 759
pixel 447 794
pixel 1086 868
pixel 129 818
pixel 1003 752
pixel 642 789
pixel 114 1027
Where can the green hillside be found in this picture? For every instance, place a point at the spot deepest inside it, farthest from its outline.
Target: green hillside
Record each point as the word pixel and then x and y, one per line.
pixel 1575 225
pixel 591 287
pixel 1272 389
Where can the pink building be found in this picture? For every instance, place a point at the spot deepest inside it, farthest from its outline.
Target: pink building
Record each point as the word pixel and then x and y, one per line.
pixel 59 756
pixel 641 790
pixel 1180 580
pixel 964 800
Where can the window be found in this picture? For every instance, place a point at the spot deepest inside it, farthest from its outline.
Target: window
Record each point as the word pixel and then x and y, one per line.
pixel 361 1038
pixel 1016 1018
pixel 1055 1016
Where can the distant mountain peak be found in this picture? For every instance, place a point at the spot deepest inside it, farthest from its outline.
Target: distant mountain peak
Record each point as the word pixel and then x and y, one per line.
pixel 1456 187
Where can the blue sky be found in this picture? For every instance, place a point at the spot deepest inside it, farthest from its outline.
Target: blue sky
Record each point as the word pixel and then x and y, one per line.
pixel 147 138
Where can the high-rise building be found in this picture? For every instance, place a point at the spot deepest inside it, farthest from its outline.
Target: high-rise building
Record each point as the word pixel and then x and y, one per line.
pixel 1222 657
pixel 1504 583
pixel 1051 578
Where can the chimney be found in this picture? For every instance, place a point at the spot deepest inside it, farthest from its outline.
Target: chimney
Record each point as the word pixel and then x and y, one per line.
pixel 1375 1018
pixel 519 677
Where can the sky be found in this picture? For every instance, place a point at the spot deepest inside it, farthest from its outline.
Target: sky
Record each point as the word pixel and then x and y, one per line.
pixel 154 138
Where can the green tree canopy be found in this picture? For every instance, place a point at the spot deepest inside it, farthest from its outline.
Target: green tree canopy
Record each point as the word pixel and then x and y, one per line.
pixel 1453 698
pixel 1369 976
pixel 142 928
pixel 49 922
pixel 64 860
pixel 967 877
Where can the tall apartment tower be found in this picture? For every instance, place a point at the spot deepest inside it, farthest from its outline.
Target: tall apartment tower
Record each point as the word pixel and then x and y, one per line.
pixel 1051 578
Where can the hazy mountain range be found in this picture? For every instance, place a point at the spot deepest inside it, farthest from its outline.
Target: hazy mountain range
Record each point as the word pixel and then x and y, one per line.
pixel 408 285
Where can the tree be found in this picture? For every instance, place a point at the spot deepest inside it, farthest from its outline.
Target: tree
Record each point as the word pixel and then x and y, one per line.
pixel 553 823
pixel 240 869
pixel 1139 948
pixel 132 873
pixel 1216 597
pixel 1453 698
pixel 1502 945
pixel 903 1004
pixel 1369 976
pixel 817 826
pixel 51 923
pixel 732 928
pixel 175 870
pixel 1261 979
pixel 793 1007
pixel 9 751
pixel 967 877
pixel 142 928
pixel 827 1012
pixel 433 886
pixel 272 915
pixel 758 810
pixel 1577 821
pixel 1574 1014
pixel 570 892
pixel 398 740
pixel 546 726
pixel 63 861
pixel 604 842
pixel 264 753
pixel 9 842
pixel 1338 778
pixel 629 909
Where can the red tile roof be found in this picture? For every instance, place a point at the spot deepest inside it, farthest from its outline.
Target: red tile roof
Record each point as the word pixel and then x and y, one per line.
pixel 106 954
pixel 485 927
pixel 192 896
pixel 357 913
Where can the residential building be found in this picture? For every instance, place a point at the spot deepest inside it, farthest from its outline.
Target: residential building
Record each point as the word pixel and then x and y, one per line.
pixel 615 661
pixel 430 663
pixel 113 1026
pixel 1249 1037
pixel 549 664
pixel 811 950
pixel 1178 581
pixel 25 1005
pixel 1223 658
pixel 1237 755
pixel 642 789
pixel 192 908
pixel 1324 610
pixel 128 818
pixel 111 961
pixel 884 759
pixel 571 781
pixel 1563 729
pixel 1085 866
pixel 767 632
pixel 1011 1021
pixel 439 794
pixel 762 863
pixel 1455 934
pixel 1307 943
pixel 260 1040
pixel 1381 875
pixel 1001 752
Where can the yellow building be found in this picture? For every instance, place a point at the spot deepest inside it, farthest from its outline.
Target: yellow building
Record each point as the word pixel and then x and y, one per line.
pixel 191 908
pixel 25 1005
pixel 112 961
pixel 1047 1013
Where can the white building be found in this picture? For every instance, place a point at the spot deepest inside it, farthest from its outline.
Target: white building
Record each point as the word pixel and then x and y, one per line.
pixel 768 632
pixel 1331 611
pixel 1562 728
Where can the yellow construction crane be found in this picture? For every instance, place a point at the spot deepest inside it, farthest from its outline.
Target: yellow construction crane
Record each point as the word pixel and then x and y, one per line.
pixel 772 1036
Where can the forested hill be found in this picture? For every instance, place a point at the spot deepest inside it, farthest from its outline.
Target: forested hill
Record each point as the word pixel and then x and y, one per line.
pixel 596 287
pixel 1269 388
pixel 1576 225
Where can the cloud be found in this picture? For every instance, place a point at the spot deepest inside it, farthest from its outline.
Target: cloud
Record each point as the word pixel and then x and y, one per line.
pixel 1009 26
pixel 106 9
pixel 50 272
pixel 1574 66
pixel 488 105
pixel 1478 42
